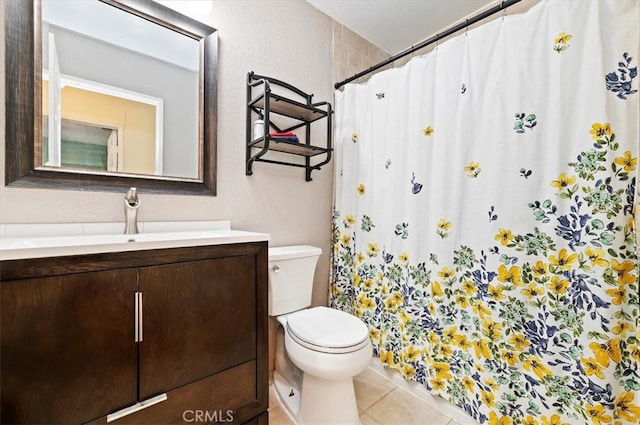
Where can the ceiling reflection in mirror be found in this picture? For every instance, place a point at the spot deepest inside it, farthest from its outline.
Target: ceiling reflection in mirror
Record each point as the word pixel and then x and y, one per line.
pixel 120 94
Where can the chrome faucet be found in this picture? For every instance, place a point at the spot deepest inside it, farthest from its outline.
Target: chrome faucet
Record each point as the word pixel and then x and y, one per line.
pixel 131 205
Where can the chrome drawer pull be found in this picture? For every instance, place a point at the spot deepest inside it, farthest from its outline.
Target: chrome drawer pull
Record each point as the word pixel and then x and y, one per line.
pixel 137 320
pixel 136 407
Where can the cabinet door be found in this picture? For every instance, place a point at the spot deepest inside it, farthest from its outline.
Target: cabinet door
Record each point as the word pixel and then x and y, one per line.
pixel 199 318
pixel 67 345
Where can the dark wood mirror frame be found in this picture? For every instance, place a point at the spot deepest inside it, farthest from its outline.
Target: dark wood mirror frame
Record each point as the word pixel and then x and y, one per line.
pixel 23 76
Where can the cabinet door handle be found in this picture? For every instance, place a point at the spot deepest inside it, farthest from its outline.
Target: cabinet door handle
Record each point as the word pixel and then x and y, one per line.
pixel 138 317
pixel 136 407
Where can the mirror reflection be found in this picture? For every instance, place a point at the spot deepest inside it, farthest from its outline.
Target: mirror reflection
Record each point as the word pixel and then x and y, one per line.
pixel 120 94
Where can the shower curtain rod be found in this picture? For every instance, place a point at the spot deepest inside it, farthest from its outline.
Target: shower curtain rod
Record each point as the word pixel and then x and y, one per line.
pixel 470 21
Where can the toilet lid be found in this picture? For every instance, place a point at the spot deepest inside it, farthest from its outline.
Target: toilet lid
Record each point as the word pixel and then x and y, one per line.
pixel 326 327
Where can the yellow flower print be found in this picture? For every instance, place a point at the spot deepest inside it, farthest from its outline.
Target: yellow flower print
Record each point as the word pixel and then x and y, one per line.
pixel 553 420
pixel 622 328
pixel 519 341
pixel 428 130
pixel 462 342
pixel 563 181
pixel 598 130
pixel 365 302
pixel 462 301
pixel 450 333
pixel 481 310
pixel 495 292
pixel 535 365
pixel 442 228
pixel 625 408
pixel 472 169
pixel 349 221
pixel 532 290
pixel 562 38
pixel 372 249
pixel 374 334
pixel 558 286
pixel 606 351
pixel 509 276
pixel 492 330
pixel 386 357
pixel 627 161
pixel 597 414
pixel 495 420
pixel 482 349
pixel 446 273
pixel 504 236
pixel 509 357
pixel 468 383
pixel 491 383
pixel 623 270
pixel 597 257
pixel 488 399
pixel 564 259
pixel 360 257
pixel 445 350
pixel 618 295
pixel 437 384
pixel 356 280
pixel 354 136
pixel 361 189
pixel 444 225
pixel 404 257
pixel 530 421
pixel 539 269
pixel 345 239
pixel 436 290
pixel 560 43
pixel 411 354
pixel 442 370
pixel 394 301
pixel 592 367
pixel 469 287
pixel 408 371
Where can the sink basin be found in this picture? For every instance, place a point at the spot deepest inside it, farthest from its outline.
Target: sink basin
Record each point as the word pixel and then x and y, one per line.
pixel 34 247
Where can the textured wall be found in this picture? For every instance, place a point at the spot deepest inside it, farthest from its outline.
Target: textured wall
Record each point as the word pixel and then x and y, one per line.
pixel 352 53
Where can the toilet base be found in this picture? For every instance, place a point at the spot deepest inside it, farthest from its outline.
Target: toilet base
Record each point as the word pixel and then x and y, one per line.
pixel 288 393
pixel 327 401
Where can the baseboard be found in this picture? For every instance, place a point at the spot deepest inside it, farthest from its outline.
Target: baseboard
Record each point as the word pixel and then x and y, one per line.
pixel 420 392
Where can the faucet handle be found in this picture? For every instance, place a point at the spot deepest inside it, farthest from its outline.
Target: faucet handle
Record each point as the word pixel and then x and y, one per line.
pixel 131 197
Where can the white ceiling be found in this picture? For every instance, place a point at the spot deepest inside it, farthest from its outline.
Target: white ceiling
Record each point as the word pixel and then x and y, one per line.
pixel 394 25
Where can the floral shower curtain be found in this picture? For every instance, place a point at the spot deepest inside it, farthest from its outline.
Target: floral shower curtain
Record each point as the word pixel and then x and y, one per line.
pixel 483 223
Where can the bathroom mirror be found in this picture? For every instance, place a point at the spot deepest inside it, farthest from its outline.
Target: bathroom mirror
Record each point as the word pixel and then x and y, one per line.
pixel 106 94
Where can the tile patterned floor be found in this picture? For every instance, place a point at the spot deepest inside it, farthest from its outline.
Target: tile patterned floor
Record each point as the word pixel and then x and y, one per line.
pixel 380 402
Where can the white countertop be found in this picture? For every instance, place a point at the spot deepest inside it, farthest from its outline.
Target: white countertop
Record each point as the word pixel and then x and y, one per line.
pixel 14 248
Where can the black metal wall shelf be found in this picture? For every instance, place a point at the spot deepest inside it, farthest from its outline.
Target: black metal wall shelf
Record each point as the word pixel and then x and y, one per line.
pixel 301 112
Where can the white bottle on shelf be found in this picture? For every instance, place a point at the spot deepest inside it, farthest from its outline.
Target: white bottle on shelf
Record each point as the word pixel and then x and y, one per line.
pixel 258 129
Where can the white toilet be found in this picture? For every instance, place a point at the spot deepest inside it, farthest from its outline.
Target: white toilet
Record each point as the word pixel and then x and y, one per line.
pixel 318 350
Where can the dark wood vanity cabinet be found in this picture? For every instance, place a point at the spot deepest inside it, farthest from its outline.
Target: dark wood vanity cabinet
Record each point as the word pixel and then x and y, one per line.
pixel 70 351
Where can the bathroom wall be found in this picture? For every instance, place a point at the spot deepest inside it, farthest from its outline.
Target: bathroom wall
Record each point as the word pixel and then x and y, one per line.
pixel 353 54
pixel 289 40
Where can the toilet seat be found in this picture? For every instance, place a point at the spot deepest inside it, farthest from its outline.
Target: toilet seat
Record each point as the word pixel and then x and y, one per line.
pixel 327 330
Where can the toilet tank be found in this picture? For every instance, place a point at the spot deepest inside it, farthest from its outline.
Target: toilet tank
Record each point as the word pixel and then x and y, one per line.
pixel 291 270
